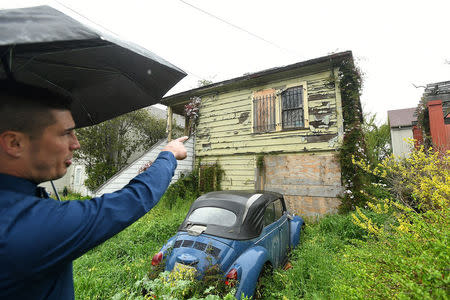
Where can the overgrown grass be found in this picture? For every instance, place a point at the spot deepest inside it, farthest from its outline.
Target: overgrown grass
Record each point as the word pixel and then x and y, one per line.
pixel 395 248
pixel 117 264
pixel 315 263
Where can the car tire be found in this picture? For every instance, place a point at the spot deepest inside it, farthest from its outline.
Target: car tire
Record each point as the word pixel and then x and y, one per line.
pixel 266 270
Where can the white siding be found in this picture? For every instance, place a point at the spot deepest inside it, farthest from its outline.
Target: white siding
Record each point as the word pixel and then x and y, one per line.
pixel 399 136
pixel 119 180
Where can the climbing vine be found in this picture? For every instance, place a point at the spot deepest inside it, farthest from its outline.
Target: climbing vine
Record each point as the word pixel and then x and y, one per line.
pixel 423 122
pixel 210 177
pixel 353 178
pixel 192 112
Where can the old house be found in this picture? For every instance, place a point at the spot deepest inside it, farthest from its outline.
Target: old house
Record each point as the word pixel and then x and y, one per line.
pixel 278 129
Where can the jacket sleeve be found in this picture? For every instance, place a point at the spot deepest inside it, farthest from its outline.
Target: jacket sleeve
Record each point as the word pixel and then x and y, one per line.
pixel 56 232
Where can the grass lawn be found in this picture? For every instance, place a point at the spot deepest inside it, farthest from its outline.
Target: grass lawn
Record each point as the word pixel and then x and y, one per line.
pixel 335 260
pixel 117 264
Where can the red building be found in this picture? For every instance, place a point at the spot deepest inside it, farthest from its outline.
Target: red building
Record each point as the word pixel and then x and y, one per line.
pixel 437 97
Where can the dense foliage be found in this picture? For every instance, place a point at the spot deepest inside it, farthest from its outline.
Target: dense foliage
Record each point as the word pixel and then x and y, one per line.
pixel 353 179
pixel 106 147
pixel 377 139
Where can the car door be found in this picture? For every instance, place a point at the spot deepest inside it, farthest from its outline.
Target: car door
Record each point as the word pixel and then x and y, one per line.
pixel 271 234
pixel 283 228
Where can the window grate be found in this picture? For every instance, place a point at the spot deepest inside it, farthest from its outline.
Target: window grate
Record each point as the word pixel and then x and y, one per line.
pixel 264 113
pixel 292 107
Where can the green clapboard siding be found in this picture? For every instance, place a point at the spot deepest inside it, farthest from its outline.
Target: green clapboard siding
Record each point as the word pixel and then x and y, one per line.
pixel 239 171
pixel 225 125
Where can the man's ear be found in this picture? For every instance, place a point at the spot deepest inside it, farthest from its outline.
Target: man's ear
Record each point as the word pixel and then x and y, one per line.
pixel 13 143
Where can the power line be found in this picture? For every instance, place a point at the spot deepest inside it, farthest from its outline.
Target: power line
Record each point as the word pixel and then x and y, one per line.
pixel 236 26
pixel 108 30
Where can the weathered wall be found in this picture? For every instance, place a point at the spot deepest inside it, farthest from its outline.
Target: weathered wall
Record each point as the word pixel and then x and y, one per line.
pixel 299 163
pixel 310 182
pixel 225 125
pixel 239 171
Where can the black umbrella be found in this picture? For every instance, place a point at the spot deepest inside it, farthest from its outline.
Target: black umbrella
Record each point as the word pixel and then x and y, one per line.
pixel 106 76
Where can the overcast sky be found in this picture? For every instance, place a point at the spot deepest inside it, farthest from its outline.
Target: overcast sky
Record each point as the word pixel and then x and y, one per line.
pixel 395 43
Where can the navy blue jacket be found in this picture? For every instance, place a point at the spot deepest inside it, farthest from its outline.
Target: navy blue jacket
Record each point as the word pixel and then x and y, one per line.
pixel 40 237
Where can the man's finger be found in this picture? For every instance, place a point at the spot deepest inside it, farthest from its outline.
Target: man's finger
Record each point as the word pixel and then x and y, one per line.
pixel 182 139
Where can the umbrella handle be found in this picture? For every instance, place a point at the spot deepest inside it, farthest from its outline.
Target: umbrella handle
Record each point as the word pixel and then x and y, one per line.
pixel 54 189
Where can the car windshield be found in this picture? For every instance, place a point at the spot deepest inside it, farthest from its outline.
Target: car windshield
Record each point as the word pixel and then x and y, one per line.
pixel 212 216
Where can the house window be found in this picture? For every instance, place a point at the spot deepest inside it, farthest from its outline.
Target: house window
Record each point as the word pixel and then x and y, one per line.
pixel 277 110
pixel 292 107
pixel 264 112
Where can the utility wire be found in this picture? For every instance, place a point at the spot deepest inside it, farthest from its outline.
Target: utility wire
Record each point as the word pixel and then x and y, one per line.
pixel 236 26
pixel 106 29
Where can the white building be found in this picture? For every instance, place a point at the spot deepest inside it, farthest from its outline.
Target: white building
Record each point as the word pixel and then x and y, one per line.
pixel 401 124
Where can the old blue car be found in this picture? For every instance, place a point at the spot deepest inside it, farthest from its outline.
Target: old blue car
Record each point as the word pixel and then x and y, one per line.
pixel 241 232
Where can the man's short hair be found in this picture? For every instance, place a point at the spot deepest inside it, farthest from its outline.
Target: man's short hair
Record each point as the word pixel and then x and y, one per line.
pixel 26 108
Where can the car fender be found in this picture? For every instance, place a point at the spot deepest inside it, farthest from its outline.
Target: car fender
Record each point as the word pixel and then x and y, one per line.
pixel 168 245
pixel 249 265
pixel 295 228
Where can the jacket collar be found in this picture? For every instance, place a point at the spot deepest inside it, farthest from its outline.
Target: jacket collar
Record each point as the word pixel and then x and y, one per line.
pixel 17 184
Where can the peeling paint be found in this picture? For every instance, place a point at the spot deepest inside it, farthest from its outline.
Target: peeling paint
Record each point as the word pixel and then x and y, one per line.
pixel 320 138
pixel 333 142
pixel 243 117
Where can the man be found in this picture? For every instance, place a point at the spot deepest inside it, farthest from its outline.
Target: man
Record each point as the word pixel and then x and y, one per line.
pixel 40 237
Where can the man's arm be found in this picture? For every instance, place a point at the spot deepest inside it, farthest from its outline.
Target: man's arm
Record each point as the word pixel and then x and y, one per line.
pixel 63 231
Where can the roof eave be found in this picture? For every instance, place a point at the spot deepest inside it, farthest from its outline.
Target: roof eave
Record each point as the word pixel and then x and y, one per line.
pixel 250 79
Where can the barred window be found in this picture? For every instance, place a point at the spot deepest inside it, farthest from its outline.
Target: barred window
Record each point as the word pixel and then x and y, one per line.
pixel 264 113
pixel 292 107
pixel 276 110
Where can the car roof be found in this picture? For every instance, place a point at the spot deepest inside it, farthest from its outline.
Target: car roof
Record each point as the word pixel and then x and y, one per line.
pixel 248 206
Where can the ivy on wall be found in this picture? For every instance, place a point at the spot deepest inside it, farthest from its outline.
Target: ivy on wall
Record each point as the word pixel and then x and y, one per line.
pixel 210 177
pixel 353 178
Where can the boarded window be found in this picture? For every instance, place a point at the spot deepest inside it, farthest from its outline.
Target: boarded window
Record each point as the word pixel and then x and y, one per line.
pixel 292 107
pixel 264 112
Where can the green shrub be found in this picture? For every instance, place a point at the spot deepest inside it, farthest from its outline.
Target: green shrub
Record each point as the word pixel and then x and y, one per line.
pixel 408 257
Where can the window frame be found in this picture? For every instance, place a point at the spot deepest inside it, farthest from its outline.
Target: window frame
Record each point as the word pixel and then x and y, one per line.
pixel 278 108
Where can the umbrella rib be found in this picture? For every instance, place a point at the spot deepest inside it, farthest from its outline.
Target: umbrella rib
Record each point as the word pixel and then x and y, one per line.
pixel 69 93
pixel 67 65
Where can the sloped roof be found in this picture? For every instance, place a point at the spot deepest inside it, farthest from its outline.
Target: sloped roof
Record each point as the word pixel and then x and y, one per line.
pixel 402 117
pixel 258 77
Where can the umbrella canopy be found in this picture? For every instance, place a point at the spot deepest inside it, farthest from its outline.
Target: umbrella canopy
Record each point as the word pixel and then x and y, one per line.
pixel 105 76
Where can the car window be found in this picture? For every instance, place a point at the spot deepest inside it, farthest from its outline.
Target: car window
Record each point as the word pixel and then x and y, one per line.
pixel 269 215
pixel 278 209
pixel 212 216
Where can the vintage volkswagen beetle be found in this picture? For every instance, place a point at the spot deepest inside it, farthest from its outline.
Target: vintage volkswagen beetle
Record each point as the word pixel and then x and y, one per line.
pixel 242 232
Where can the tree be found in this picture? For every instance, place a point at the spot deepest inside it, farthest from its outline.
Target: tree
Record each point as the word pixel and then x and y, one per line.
pixel 106 147
pixel 378 139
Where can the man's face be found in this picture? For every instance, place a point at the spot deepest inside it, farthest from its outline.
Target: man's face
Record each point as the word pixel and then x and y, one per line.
pixel 51 154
